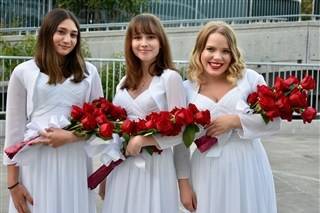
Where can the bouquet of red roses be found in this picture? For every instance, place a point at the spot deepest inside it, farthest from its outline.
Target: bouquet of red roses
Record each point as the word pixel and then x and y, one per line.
pixel 283 99
pixel 100 117
pixel 164 123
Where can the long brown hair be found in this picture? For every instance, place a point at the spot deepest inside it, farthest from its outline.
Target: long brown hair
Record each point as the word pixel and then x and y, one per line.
pixel 235 70
pixel 148 24
pixel 48 60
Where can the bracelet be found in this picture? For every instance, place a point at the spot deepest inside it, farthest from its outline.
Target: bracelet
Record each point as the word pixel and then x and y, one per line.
pixel 14 185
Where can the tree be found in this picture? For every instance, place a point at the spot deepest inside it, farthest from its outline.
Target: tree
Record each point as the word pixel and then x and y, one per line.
pixel 98 11
pixel 306 6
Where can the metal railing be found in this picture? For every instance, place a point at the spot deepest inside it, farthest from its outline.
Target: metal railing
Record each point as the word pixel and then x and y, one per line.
pixel 171 23
pixel 112 70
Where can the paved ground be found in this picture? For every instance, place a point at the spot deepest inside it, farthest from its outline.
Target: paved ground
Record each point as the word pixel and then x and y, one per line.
pixel 294 156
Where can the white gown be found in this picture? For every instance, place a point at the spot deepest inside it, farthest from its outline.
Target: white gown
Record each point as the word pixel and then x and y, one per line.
pixel 152 189
pixel 56 178
pixel 234 176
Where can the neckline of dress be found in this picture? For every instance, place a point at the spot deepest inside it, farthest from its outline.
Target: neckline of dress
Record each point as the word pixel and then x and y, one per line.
pixel 142 92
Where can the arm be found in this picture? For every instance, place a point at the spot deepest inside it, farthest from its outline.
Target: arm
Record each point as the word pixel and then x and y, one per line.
pixel 252 125
pixel 175 97
pixel 16 120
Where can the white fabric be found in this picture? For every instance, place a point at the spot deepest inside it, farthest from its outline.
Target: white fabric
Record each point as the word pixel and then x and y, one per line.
pixel 234 175
pixel 153 188
pixel 57 179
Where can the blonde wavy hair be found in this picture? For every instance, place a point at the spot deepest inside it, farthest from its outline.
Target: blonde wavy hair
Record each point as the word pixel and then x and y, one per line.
pixel 237 65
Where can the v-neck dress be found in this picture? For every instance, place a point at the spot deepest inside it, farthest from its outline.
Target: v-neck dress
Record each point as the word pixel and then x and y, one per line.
pixel 56 178
pixel 234 176
pixel 152 188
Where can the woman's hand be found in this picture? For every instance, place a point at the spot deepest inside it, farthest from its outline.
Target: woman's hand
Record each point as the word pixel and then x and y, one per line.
pixel 55 137
pixel 135 145
pixel 20 197
pixel 187 196
pixel 102 189
pixel 223 124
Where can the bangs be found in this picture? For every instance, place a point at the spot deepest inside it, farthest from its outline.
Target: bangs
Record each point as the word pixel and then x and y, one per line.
pixel 145 27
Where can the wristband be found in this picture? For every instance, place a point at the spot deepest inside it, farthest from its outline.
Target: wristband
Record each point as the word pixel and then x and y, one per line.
pixel 14 185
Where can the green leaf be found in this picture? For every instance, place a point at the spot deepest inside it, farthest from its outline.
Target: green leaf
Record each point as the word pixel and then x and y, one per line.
pixel 189 134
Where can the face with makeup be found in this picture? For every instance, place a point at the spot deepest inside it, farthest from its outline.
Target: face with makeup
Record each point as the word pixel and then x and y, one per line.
pixel 216 56
pixel 65 37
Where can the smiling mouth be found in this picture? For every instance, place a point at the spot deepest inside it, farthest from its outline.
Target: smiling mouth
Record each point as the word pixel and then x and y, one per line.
pixel 215 65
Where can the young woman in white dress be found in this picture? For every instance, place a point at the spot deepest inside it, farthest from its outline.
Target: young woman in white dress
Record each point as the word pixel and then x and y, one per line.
pixel 146 183
pixel 233 176
pixel 55 179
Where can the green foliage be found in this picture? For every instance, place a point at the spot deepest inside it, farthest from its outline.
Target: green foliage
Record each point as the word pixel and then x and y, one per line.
pixel 306 6
pixel 111 74
pixel 100 10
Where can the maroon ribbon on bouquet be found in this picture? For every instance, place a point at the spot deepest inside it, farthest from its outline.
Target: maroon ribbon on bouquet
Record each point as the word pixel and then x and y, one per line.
pixel 100 174
pixel 205 142
pixel 12 150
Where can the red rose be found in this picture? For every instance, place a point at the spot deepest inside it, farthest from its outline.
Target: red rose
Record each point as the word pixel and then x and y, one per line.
pixel 202 118
pixel 88 108
pixel 290 82
pixel 267 103
pixel 279 84
pixel 118 112
pixel 264 90
pixel 89 122
pixel 183 116
pixel 76 112
pixel 298 99
pixel 127 127
pixel 193 108
pixel 106 129
pixel 308 83
pixel 252 98
pixel 140 125
pixel 309 114
pixel 272 114
pixel 164 124
pixel 102 118
pixel 284 107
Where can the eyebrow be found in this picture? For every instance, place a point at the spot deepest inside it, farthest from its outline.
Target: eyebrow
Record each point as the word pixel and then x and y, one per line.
pixel 63 28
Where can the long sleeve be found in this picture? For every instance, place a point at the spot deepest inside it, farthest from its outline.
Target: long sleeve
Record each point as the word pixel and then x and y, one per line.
pixel 16 117
pixel 253 126
pixel 175 97
pixel 96 87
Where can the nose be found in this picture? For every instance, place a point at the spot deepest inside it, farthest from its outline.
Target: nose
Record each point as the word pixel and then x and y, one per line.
pixel 144 42
pixel 217 55
pixel 66 38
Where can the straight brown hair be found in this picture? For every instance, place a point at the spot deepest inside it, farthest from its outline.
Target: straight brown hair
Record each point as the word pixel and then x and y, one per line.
pixel 47 58
pixel 148 24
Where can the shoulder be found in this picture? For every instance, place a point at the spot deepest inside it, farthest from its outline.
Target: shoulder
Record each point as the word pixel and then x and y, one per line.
pixel 91 68
pixel 29 65
pixel 250 76
pixel 171 75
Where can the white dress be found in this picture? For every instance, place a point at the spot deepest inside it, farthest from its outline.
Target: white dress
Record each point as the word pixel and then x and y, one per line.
pixel 234 176
pixel 56 178
pixel 152 188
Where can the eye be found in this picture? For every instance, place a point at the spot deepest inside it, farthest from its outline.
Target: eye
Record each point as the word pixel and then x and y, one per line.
pixel 136 37
pixel 60 31
pixel 226 51
pixel 151 36
pixel 210 49
pixel 74 35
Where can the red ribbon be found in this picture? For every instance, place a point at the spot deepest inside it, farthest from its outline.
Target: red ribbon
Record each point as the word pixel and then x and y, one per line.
pixel 204 143
pixel 12 150
pixel 100 174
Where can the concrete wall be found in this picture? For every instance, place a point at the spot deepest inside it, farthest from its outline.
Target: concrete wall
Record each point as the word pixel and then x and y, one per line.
pixel 266 42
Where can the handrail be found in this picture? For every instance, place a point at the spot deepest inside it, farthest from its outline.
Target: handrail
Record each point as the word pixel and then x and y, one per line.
pixel 169 24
